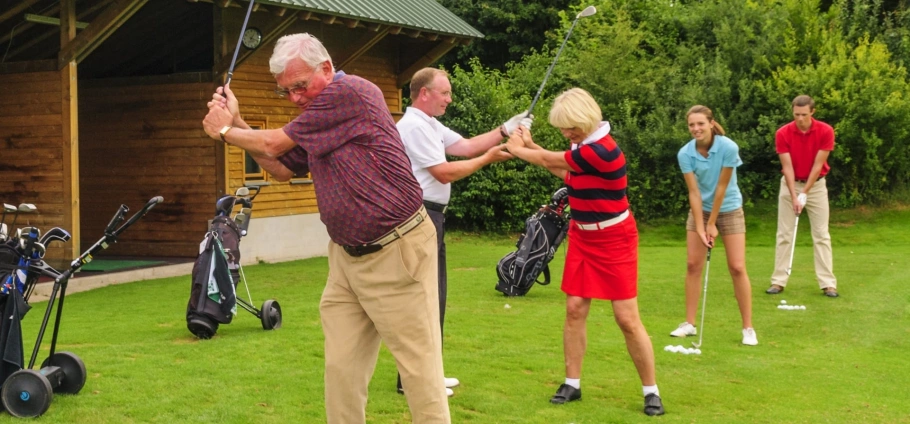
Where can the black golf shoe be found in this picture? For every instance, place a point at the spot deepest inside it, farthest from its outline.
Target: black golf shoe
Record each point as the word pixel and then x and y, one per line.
pixel 775 289
pixel 653 405
pixel 566 393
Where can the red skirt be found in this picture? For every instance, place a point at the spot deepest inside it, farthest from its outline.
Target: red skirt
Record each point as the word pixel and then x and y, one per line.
pixel 602 264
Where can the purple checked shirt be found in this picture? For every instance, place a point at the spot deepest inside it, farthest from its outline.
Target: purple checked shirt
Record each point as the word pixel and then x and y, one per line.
pixel 347 139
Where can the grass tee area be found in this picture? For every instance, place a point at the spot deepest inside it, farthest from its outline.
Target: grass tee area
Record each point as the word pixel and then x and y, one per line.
pixel 841 360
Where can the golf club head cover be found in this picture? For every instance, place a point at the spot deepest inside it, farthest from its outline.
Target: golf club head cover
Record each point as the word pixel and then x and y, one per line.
pixel 512 124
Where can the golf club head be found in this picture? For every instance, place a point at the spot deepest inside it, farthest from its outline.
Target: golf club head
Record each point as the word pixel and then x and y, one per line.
pixel 56 233
pixel 3 233
pixel 588 11
pixel 27 207
pixel 242 191
pixel 224 205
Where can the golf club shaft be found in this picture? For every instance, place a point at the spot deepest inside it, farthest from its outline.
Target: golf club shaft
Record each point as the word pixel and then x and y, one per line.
pixel 552 64
pixel 230 73
pixel 793 245
pixel 704 301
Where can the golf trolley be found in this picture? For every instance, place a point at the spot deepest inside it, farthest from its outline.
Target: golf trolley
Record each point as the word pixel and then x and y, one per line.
pixel 27 392
pixel 217 270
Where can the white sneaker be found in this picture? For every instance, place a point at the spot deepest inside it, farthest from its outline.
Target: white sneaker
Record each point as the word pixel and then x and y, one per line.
pixel 452 382
pixel 449 392
pixel 749 337
pixel 684 329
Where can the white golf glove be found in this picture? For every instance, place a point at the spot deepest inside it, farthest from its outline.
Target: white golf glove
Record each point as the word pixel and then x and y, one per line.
pixel 801 198
pixel 526 122
pixel 512 124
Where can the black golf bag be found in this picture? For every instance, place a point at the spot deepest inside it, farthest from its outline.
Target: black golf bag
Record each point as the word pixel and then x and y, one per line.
pixel 217 272
pixel 213 297
pixel 544 232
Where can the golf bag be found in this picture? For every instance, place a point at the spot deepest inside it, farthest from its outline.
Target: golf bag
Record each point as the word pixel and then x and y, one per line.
pixel 544 232
pixel 213 297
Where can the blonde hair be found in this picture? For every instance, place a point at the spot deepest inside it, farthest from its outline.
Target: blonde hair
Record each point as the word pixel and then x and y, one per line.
pixel 424 78
pixel 716 129
pixel 576 108
pixel 301 46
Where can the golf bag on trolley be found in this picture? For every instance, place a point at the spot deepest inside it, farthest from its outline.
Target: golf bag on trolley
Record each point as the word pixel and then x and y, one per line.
pixel 217 272
pixel 213 297
pixel 544 232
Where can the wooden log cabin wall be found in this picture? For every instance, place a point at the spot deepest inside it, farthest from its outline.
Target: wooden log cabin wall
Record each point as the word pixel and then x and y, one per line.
pixel 115 116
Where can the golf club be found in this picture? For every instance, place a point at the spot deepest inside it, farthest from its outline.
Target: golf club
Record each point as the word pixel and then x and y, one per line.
pixel 704 300
pixel 793 245
pixel 25 207
pixel 588 11
pixel 55 233
pixel 4 230
pixel 246 19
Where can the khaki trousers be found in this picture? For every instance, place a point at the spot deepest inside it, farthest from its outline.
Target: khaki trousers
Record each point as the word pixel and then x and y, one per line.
pixel 817 210
pixel 389 296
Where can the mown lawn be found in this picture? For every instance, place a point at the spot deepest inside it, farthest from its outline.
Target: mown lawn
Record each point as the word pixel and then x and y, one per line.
pixel 840 360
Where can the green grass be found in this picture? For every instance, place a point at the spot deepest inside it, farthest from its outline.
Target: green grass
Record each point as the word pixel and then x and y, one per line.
pixel 839 361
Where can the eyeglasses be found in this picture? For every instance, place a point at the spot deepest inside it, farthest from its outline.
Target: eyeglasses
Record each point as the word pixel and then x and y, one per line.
pixel 443 93
pixel 298 89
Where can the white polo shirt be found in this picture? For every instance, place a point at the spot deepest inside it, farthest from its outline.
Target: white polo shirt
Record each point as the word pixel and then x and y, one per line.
pixel 425 141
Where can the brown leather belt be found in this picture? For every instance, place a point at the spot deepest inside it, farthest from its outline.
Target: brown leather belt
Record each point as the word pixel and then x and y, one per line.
pixel 393 235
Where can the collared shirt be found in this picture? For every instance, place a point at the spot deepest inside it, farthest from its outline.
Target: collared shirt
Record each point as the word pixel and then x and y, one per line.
pixel 347 138
pixel 803 147
pixel 597 183
pixel 724 153
pixel 425 141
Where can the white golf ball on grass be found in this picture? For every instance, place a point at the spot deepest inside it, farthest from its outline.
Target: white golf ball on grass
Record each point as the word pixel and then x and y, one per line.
pixel 783 302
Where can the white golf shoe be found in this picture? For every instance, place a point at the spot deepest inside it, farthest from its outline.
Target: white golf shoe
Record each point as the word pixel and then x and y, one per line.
pixel 451 382
pixel 684 329
pixel 749 337
pixel 449 392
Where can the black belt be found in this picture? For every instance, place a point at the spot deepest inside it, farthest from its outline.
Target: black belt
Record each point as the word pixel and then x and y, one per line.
pixel 393 235
pixel 433 206
pixel 804 181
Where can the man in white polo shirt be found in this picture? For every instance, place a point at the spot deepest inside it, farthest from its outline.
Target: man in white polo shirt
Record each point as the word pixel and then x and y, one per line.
pixel 427 143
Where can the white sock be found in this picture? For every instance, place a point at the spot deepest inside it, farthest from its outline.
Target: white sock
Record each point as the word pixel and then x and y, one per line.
pixel 574 382
pixel 647 390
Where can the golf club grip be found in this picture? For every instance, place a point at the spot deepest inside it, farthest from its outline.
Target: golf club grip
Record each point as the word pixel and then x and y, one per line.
pixel 145 209
pixel 230 72
pixel 116 219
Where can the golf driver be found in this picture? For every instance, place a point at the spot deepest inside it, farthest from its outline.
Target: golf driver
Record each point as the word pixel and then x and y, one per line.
pixel 704 300
pixel 25 207
pixel 588 11
pixel 246 19
pixel 793 245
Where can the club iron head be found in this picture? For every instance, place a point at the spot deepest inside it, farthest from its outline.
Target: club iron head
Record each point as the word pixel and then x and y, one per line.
pixel 242 191
pixel 588 11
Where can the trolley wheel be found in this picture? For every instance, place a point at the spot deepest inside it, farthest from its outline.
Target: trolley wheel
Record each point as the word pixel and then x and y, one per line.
pixel 73 371
pixel 270 315
pixel 26 394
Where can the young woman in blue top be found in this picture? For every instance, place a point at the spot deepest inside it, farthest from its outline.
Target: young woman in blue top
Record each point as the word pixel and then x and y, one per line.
pixel 708 163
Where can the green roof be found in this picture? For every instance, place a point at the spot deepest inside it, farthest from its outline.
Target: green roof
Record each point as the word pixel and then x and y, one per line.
pixel 424 15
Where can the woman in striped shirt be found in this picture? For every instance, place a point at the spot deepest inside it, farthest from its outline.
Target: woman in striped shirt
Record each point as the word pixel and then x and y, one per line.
pixel 602 257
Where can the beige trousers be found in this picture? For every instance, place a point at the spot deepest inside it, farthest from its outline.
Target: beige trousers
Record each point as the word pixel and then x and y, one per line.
pixel 389 296
pixel 817 211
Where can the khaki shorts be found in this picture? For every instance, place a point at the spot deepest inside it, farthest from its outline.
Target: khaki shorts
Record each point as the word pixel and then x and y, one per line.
pixel 733 222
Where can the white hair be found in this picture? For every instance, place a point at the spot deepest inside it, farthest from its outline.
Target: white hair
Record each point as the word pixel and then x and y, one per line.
pixel 301 46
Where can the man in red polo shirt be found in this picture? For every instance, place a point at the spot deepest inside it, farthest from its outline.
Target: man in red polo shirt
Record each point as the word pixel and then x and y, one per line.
pixel 804 146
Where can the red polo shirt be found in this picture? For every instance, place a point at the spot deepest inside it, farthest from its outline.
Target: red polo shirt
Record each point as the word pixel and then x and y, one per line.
pixel 803 147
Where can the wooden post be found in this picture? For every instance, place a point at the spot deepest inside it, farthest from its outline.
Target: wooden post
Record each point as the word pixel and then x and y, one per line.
pixel 70 132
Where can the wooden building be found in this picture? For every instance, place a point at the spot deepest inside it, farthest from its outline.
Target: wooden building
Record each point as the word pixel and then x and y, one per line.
pixel 101 104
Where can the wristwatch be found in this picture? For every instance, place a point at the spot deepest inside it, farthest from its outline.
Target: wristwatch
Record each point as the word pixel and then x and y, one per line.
pixel 224 131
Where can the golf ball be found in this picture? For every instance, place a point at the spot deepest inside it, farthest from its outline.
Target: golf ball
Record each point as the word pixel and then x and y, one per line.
pixel 698 351
pixel 685 351
pixel 783 302
pixel 668 348
pixel 803 307
pixel 507 306
pixel 780 306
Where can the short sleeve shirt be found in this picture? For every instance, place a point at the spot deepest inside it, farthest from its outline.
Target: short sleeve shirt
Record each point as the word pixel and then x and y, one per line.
pixel 724 153
pixel 362 176
pixel 803 147
pixel 597 182
pixel 425 141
